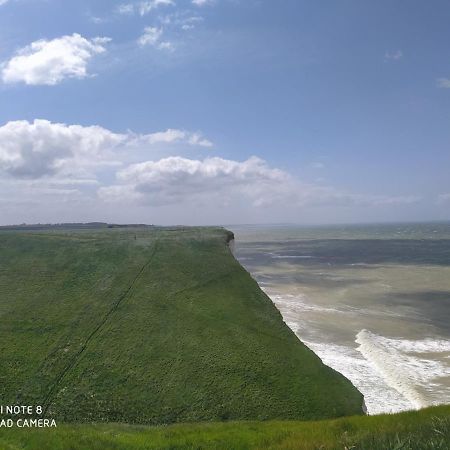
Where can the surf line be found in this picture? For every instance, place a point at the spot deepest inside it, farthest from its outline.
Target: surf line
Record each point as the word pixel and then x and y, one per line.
pixel 388 363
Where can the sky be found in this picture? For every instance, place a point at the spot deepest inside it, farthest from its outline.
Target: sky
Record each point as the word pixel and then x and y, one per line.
pixel 224 111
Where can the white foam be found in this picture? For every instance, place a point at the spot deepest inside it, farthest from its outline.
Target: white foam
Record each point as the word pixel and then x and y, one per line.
pixel 420 346
pixel 378 396
pixel 392 366
pixel 393 374
pixel 402 371
pixel 421 369
pixel 300 302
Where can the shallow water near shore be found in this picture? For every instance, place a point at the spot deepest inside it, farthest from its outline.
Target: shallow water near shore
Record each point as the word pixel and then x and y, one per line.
pixel 372 301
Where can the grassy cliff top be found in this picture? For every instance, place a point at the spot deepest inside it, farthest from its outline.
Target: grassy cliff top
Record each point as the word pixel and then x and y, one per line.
pixel 427 429
pixel 150 325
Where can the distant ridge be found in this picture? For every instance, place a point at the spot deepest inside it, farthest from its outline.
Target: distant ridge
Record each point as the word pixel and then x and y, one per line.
pixel 70 226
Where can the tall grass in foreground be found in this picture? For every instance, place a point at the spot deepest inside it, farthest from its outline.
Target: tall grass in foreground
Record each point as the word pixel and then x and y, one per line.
pixel 428 429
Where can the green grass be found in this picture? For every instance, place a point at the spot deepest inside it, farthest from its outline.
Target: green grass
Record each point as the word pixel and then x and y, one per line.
pixel 424 430
pixel 150 326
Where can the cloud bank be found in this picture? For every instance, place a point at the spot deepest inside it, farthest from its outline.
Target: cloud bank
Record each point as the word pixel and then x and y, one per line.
pixel 176 180
pixel 45 165
pixel 218 181
pixel 42 148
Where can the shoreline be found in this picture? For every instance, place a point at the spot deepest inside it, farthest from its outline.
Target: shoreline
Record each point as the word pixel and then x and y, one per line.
pixel 356 365
pixel 231 243
pixel 368 322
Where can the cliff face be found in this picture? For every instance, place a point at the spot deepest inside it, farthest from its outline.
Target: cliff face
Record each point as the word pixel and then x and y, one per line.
pixel 151 326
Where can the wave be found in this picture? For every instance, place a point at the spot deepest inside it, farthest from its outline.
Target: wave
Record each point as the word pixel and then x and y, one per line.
pixel 379 397
pixel 300 302
pixel 393 374
pixel 407 374
pixel 422 346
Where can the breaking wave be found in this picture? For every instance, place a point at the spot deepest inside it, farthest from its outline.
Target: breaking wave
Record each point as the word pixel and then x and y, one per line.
pixel 379 397
pixel 407 374
pixel 393 374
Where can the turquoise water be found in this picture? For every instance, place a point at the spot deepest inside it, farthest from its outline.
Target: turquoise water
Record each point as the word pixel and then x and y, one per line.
pixel 372 301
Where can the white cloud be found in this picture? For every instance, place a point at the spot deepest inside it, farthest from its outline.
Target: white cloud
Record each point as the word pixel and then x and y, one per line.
pixel 169 136
pixel 126 8
pixel 393 55
pixel 180 19
pixel 55 164
pixel 152 37
pixel 3 2
pixel 443 83
pixel 146 6
pixel 198 139
pixel 190 22
pixel 202 2
pixel 143 7
pixel 175 179
pixel 167 45
pixel 46 62
pixel 42 148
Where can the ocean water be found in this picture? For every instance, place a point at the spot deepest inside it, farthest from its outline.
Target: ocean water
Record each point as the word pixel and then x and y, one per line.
pixel 372 301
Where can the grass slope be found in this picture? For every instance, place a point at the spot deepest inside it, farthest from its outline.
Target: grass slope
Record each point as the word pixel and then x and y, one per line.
pixel 424 430
pixel 150 326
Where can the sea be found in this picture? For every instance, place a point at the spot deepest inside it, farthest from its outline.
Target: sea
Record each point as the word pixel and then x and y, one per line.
pixel 372 301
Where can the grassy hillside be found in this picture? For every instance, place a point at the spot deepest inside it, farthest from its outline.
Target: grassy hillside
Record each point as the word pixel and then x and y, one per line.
pixel 424 430
pixel 150 326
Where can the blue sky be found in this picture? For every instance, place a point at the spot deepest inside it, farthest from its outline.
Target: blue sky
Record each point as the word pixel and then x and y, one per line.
pixel 224 111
